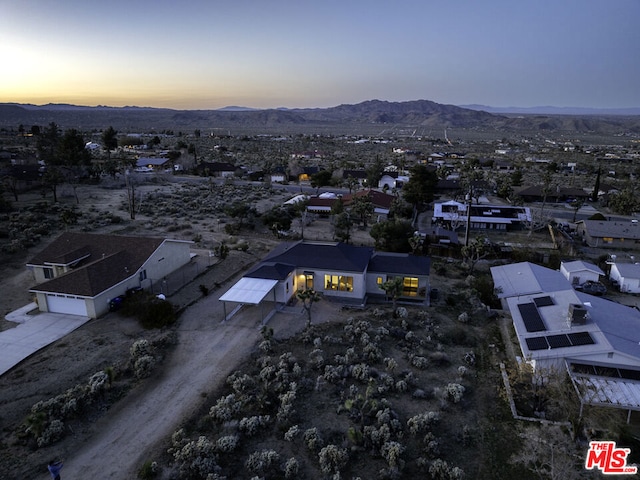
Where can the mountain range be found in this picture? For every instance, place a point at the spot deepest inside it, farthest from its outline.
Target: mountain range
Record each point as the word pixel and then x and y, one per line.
pixel 418 114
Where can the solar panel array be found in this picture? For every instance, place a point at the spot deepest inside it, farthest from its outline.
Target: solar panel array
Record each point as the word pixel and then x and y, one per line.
pixel 543 301
pixel 559 341
pixel 531 318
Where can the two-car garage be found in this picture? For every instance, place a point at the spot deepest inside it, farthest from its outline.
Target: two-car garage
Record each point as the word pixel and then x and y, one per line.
pixel 68 304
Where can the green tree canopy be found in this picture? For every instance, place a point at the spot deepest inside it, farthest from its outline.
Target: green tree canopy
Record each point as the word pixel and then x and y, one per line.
pixel 420 188
pixel 392 235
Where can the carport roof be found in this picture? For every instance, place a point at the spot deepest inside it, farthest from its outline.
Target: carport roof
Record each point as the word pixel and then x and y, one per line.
pixel 249 290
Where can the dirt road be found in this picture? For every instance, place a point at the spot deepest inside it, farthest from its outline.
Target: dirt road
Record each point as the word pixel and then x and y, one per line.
pixel 207 352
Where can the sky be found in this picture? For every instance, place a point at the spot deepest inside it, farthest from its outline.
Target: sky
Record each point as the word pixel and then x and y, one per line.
pixel 207 54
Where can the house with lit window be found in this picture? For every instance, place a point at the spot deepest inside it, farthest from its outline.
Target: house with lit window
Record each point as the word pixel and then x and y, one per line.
pixel 453 215
pixel 609 234
pixel 80 273
pixel 339 271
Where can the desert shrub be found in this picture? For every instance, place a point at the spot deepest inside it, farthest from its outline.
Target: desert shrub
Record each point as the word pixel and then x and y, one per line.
pixel 419 423
pixel 196 458
pixel 292 433
pixel 332 459
pixel 453 392
pixel 250 425
pixel 143 366
pixel 148 471
pixel 440 470
pixel 263 461
pixel 312 439
pixel 420 362
pixel 458 335
pixel 291 468
pixel 391 452
pixel 52 433
pixel 159 313
pixel 225 408
pixel 227 444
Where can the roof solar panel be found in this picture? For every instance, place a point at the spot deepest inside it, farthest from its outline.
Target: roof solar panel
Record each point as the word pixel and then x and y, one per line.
pixel 531 318
pixel 580 338
pixel 537 343
pixel 543 301
pixel 558 341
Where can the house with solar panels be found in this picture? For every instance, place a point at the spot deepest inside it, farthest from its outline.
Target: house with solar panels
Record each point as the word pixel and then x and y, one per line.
pixel 596 341
pixel 338 271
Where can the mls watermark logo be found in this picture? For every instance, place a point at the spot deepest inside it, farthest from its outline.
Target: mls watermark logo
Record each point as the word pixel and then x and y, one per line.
pixel 609 459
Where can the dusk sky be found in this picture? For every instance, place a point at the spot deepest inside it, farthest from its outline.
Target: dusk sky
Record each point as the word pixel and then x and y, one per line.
pixel 199 54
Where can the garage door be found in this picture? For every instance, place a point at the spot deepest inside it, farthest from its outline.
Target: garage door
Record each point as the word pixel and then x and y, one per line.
pixel 70 305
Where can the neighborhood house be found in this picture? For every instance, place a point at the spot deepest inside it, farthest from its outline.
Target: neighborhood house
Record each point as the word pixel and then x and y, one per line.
pixel 79 273
pixel 453 215
pixel 339 271
pixel 595 341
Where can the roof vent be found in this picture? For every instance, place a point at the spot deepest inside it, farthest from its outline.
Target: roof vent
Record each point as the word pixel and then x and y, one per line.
pixel 577 314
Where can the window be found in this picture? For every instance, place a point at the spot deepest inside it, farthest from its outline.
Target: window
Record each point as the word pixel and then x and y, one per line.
pixel 338 282
pixel 608 240
pixel 410 286
pixel 48 272
pixel 379 282
pixel 143 275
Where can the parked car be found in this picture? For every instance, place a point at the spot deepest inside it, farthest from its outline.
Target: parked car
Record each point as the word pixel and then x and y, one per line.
pixel 594 288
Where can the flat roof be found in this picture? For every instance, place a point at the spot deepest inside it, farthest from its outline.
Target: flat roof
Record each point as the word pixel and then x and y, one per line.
pixel 249 290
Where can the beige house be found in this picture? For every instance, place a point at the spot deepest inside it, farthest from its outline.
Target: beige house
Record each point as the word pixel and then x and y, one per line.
pixel 79 273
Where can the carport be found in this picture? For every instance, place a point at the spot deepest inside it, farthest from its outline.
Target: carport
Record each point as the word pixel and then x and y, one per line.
pixel 248 291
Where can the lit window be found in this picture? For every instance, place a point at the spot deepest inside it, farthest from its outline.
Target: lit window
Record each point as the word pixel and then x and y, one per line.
pixel 410 286
pixel 338 282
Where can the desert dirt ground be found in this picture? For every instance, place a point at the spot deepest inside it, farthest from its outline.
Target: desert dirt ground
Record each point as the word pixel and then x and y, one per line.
pixel 136 428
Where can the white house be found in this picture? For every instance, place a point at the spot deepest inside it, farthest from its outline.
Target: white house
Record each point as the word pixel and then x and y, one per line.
pixel 627 275
pixel 579 272
pixel 343 272
pixel 79 273
pixel 595 341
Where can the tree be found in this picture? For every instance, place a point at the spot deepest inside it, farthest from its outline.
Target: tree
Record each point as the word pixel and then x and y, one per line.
pixel 278 220
pixel 72 151
pixel 477 249
pixel 321 179
pixel 109 141
pixel 596 188
pixel 342 225
pixel 362 207
pixel 393 288
pixel 48 144
pixel 308 296
pixel 625 201
pixel 374 173
pixel 576 205
pixel 392 235
pixel 420 188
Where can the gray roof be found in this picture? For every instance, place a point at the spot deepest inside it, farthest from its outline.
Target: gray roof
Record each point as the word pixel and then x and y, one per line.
pixel 526 278
pixel 601 229
pixel 399 263
pixel 580 266
pixel 629 270
pixel 322 256
pixel 619 324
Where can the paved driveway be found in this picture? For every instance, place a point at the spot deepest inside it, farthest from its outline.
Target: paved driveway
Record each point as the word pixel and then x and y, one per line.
pixel 33 333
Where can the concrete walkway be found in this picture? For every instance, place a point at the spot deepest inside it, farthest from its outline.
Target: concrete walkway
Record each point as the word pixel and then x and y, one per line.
pixel 32 333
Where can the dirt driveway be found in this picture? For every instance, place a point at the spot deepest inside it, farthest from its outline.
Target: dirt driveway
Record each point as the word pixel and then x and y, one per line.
pixel 206 353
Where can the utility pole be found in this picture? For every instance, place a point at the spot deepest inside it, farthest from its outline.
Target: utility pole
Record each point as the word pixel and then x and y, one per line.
pixel 470 199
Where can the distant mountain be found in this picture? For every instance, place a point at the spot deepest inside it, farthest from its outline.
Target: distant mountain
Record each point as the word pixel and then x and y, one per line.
pixel 549 110
pixel 369 116
pixel 234 108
